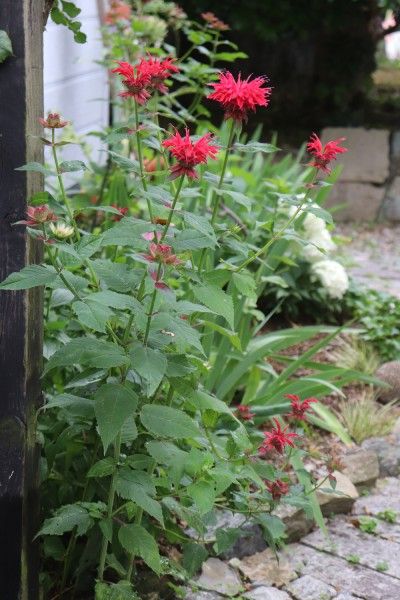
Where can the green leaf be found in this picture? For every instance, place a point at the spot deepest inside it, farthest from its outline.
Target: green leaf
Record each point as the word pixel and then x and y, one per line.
pixel 168 422
pixel 70 9
pixel 150 364
pixel 116 276
pixel 36 168
pixel 29 277
pixel 204 401
pixel 138 542
pixel 201 224
pixel 190 239
pixel 114 403
pixel 92 314
pixel 5 46
pixel 245 283
pixel 225 538
pixel 88 352
pixel 252 147
pixel 229 56
pixel 70 166
pixel 217 301
pixel 122 590
pixel 138 487
pixel 166 453
pixel 102 468
pixel 115 300
pixel 203 494
pixel 66 519
pixel 193 557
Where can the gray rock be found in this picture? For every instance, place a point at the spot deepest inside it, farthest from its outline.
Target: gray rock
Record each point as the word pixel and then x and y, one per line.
pixel 391 206
pixel 361 467
pixel 266 593
pixel 345 578
pixel 388 453
pixel 386 496
pixel 339 500
pixel 250 542
pixel 345 540
pixel 217 576
pixel 389 373
pixel 199 595
pixel 368 157
pixel 310 588
pixel 346 596
pixel 358 201
pixel 296 522
pixel 264 569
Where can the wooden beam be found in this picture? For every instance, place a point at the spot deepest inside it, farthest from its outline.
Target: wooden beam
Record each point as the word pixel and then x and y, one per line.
pixel 21 103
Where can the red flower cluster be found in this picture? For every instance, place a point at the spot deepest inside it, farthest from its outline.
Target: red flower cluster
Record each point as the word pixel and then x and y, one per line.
pixel 244 412
pixel 189 154
pixel 277 439
pixel 277 489
pixel 239 96
pixel 123 211
pixel 53 121
pixel 162 253
pixel 299 408
pixel 37 215
pixel 214 23
pixel 119 11
pixel 323 155
pixel 146 77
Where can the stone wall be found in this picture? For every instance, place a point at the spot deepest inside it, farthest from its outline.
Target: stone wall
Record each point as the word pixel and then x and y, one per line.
pixel 369 186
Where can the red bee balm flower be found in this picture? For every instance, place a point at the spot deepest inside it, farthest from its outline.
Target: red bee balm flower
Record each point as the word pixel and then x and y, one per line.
pixel 277 489
pixel 244 413
pixel 277 439
pixel 135 82
pixel 188 153
pixel 299 408
pixel 157 71
pixel 53 121
pixel 323 155
pixel 239 96
pixel 162 253
pixel 37 215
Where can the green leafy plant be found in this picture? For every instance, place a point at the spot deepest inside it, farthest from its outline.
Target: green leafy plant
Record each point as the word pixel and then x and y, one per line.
pixel 64 12
pixel 355 353
pixel 159 379
pixel 389 515
pixel 353 559
pixel 367 524
pixel 382 566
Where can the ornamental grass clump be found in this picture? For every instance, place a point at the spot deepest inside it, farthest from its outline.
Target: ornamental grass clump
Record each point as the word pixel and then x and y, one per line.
pixel 158 404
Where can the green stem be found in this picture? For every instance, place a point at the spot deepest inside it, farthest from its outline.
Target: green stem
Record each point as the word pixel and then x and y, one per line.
pixel 61 185
pixel 217 199
pixel 172 209
pixel 151 308
pixel 140 157
pixel 110 507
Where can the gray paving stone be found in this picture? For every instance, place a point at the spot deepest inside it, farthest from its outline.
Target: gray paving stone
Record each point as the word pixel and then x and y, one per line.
pixel 310 588
pixel 347 540
pixel 199 595
pixel 216 576
pixel 345 578
pixel 266 593
pixel 388 453
pixel 362 467
pixel 386 496
pixel 346 596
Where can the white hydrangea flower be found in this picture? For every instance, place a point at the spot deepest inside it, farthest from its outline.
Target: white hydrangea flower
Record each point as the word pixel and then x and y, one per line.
pixel 333 277
pixel 319 240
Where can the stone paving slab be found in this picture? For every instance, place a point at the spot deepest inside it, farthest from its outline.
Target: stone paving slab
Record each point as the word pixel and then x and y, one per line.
pixel 386 496
pixel 346 540
pixel 357 580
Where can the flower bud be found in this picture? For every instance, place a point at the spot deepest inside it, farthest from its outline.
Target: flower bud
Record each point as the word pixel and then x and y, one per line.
pixel 61 231
pixel 53 121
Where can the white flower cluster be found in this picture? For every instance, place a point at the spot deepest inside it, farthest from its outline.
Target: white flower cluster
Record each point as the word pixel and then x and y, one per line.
pixel 330 273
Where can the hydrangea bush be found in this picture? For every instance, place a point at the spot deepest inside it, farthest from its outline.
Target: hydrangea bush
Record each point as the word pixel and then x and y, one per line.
pixel 158 394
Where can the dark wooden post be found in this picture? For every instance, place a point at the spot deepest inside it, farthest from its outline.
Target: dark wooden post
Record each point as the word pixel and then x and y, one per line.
pixel 21 103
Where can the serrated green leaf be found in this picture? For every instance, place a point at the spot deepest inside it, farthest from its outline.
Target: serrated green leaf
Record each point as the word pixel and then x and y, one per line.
pixel 70 166
pixel 92 314
pixel 5 46
pixel 193 557
pixel 114 403
pixel 67 518
pixel 102 468
pixel 88 352
pixel 203 494
pixel 138 542
pixel 168 422
pixel 29 277
pixel 150 364
pixel 36 167
pixel 217 301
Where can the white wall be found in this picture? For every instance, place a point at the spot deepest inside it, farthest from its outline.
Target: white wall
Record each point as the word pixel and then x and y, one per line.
pixel 74 85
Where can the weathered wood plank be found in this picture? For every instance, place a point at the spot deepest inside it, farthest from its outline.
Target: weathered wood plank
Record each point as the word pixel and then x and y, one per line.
pixel 21 102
